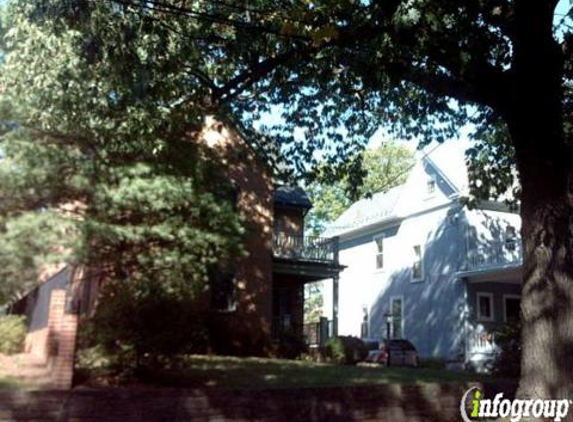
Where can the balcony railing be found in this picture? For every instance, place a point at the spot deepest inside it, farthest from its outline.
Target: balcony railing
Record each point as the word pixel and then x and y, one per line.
pixel 316 333
pixel 305 248
pixel 482 342
pixel 493 255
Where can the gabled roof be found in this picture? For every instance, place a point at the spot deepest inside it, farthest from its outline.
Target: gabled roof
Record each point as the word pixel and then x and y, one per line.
pixel 446 160
pixel 291 196
pixel 366 211
pixel 449 160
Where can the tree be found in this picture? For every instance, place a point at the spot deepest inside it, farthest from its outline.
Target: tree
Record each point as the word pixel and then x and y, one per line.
pixel 423 68
pixel 100 166
pixel 384 168
pixel 313 302
pixel 359 64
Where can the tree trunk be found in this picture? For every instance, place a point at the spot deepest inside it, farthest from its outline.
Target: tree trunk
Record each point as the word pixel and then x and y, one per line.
pixel 545 164
pixel 547 293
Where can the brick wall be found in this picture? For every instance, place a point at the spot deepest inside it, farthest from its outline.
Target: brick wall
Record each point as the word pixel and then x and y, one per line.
pixel 62 341
pixel 289 220
pixel 54 343
pixel 248 329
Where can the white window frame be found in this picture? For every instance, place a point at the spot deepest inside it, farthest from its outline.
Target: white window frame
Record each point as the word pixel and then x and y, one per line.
pixel 402 325
pixel 479 316
pixel 508 296
pixel 375 239
pixel 422 270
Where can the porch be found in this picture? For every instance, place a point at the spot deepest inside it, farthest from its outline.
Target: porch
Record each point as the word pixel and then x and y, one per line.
pixel 491 305
pixel 298 260
pixel 494 256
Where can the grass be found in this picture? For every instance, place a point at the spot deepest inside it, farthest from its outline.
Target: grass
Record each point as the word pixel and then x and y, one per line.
pixel 258 373
pixel 12 384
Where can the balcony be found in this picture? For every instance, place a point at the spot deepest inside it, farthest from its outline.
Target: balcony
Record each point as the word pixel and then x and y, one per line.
pixel 495 255
pixel 305 248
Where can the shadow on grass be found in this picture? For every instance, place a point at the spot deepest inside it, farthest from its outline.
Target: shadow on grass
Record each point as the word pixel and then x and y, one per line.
pixel 257 373
pixel 239 389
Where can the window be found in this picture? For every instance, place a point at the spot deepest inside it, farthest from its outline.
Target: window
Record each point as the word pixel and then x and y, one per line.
pixel 364 326
pixel 485 306
pixel 379 252
pixel 223 292
pixel 511 308
pixel 431 186
pixel 397 317
pixel 417 264
pixel 510 238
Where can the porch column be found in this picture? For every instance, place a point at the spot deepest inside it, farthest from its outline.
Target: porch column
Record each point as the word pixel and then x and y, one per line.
pixel 335 256
pixel 335 306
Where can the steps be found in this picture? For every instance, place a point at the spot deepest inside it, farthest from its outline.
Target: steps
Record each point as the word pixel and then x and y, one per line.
pixel 32 370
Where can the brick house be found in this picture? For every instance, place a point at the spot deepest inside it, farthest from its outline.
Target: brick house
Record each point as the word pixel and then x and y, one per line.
pixel 253 306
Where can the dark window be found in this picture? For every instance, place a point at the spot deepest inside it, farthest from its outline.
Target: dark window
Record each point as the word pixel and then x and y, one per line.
pixel 485 306
pixel 510 238
pixel 223 292
pixel 397 318
pixel 364 326
pixel 431 186
pixel 512 309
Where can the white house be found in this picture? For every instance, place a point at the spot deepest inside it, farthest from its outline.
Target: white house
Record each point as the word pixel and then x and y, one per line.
pixel 422 266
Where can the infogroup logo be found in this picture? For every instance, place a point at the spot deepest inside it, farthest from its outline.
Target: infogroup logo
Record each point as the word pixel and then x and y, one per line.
pixel 515 409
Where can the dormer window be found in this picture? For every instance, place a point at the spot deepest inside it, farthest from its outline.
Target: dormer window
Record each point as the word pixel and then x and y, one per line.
pixel 510 238
pixel 431 186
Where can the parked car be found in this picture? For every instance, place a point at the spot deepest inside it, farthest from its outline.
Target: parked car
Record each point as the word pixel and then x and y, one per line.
pixel 394 353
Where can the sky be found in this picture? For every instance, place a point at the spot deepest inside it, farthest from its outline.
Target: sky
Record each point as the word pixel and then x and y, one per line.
pixel 450 146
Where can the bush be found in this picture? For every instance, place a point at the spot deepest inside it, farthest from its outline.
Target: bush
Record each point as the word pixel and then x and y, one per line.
pixel 12 334
pixel 508 363
pixel 346 350
pixel 135 329
pixel 291 345
pixel 432 363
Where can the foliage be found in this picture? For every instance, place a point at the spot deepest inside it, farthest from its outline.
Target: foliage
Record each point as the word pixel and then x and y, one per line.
pixel 291 345
pixel 384 168
pixel 335 71
pixel 140 322
pixel 28 242
pixel 13 384
pixel 100 161
pixel 508 362
pixel 313 302
pixel 13 331
pixel 432 363
pixel 346 350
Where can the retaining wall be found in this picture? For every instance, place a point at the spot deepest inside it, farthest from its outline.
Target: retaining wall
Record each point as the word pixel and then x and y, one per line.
pixel 384 403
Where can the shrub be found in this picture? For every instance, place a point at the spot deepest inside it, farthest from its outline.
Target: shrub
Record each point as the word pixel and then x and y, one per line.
pixel 508 362
pixel 12 333
pixel 432 363
pixel 346 350
pixel 135 329
pixel 291 345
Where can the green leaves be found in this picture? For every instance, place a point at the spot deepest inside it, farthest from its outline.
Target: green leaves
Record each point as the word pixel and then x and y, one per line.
pixel 100 107
pixel 383 168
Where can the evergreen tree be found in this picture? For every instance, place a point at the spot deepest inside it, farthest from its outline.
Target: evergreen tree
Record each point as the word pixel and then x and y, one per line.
pixel 100 165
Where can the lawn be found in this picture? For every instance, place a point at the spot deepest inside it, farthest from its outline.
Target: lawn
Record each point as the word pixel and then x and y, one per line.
pixel 255 373
pixel 12 384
